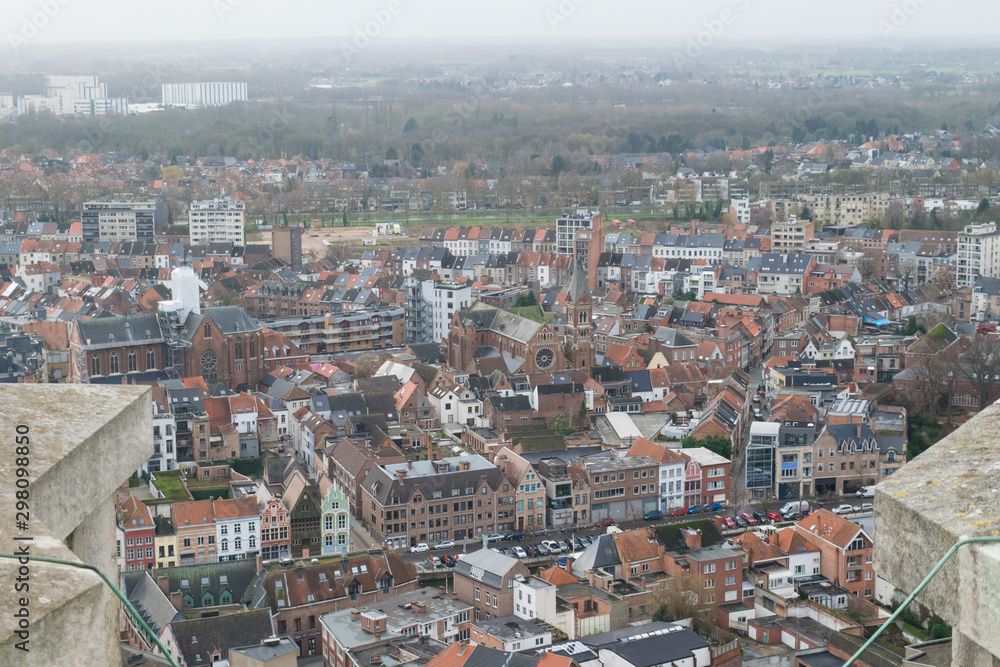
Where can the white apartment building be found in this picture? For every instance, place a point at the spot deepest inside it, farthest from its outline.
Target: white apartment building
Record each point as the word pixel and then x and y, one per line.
pixel 567 227
pixel 164 437
pixel 73 95
pixel 741 208
pixel 208 94
pixel 978 253
pixel 445 300
pixel 217 221
pixel 237 528
pixel 122 221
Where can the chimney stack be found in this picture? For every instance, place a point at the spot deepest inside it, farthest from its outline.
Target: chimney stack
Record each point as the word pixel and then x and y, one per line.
pixel 859 429
pixel 692 538
pixel 400 474
pixel 163 582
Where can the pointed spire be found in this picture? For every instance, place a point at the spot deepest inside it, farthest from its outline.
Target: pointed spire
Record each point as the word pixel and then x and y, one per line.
pixel 578 284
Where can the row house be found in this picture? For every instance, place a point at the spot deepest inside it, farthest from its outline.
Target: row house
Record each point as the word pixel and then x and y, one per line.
pixel 620 488
pixel 428 501
pixel 298 596
pixel 530 495
pixel 138 533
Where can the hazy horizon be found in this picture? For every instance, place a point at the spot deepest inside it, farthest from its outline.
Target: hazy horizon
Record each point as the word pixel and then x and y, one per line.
pixel 730 23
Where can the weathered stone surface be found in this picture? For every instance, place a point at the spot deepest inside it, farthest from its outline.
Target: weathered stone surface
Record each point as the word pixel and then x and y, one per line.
pixel 85 441
pixel 950 492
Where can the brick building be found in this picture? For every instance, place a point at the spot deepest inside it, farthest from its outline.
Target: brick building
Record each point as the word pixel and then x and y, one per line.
pixel 846 551
pixel 485 579
pixel 426 501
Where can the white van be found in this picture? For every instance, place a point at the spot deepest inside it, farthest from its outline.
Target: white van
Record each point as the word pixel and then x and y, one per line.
pixel 866 492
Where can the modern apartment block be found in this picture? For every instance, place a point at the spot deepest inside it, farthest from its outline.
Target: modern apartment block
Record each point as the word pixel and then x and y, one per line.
pixel 217 221
pixel 790 237
pixel 581 234
pixel 208 94
pixel 122 221
pixel 73 96
pixel 286 244
pixel 978 253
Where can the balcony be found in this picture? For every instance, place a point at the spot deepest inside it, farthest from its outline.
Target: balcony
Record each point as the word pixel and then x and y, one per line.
pixel 80 454
pixel 948 493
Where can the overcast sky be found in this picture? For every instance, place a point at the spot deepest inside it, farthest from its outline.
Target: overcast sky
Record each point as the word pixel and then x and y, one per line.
pixel 749 21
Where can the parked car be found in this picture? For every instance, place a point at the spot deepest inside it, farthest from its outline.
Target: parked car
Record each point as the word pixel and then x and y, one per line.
pixel 604 523
pixel 695 509
pixel 749 519
pixel 495 537
pixel 587 540
pixel 519 552
pixel 741 522
pixel 441 546
pixel 552 546
pixel 866 492
pixel 773 517
pixel 541 531
pixel 756 398
pixel 652 515
pixel 508 552
pixel 761 519
pixel 727 522
pixel 420 548
pixel 542 550
pixel 564 547
pixel 714 507
pixel 449 561
pixel 514 535
pixel 434 561
pixel 843 509
pixel 577 544
pixel 867 507
pixel 757 413
pixel 680 511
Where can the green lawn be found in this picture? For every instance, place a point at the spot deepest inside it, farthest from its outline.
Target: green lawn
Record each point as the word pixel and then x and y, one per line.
pixel 169 483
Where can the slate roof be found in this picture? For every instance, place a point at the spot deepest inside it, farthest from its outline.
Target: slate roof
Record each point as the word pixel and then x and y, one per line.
pixel 197 639
pixel 493 565
pixel 137 329
pixel 229 319
pixel 674 645
pixel 149 600
pixel 513 326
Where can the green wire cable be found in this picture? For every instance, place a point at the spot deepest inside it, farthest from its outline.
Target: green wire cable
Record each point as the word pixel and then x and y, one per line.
pixel 121 596
pixel 913 595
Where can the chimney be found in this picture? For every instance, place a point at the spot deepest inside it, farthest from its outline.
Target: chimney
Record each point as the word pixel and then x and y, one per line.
pixel 464 465
pixel 400 474
pixel 859 429
pixel 355 613
pixel 420 607
pixel 569 564
pixel 163 582
pixel 409 465
pixel 177 600
pixel 692 538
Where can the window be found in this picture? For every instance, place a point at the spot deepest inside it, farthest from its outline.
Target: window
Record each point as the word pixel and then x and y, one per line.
pixel 95 366
pixel 709 568
pixel 208 331
pixel 253 348
pixel 238 349
pixel 150 359
pixel 133 363
pixel 114 363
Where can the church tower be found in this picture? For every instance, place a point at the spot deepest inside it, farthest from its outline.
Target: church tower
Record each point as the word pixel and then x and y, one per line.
pixel 579 321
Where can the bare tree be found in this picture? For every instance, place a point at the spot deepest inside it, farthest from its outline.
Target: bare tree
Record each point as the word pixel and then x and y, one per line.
pixel 678 598
pixel 980 367
pixel 930 375
pixel 868 267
